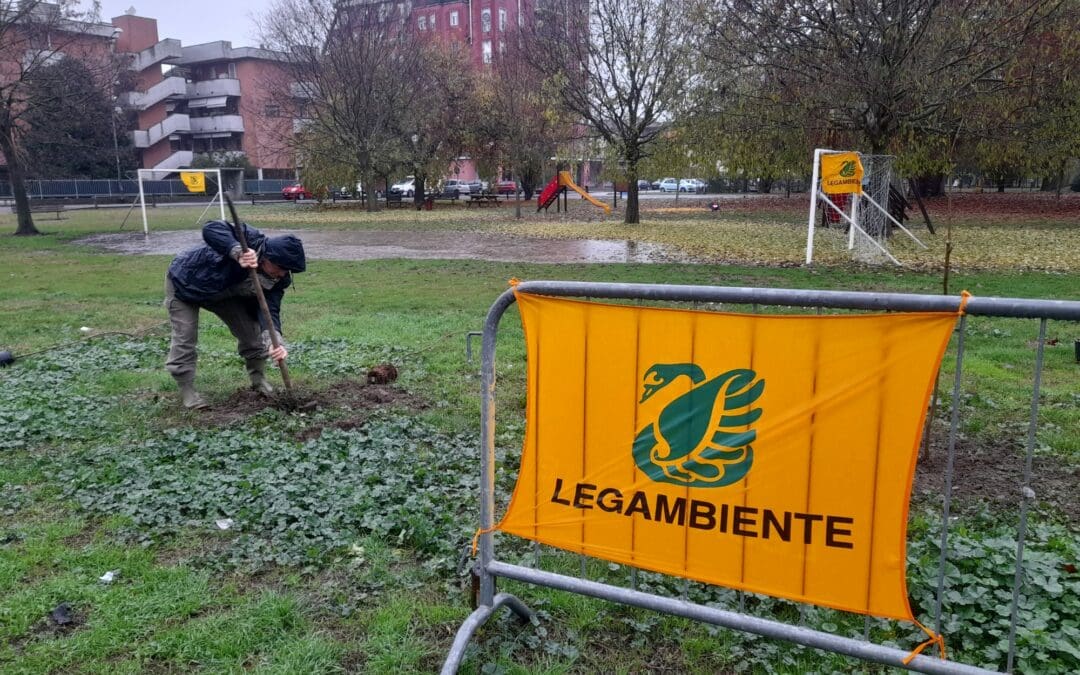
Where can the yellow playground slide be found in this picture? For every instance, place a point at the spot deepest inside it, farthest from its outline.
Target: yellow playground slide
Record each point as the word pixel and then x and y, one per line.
pixel 568 182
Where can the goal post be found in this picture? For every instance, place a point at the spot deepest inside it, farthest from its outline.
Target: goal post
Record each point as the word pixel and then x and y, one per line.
pixel 194 181
pixel 870 219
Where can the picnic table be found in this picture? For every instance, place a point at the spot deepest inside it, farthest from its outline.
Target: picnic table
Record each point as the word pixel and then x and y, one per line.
pixel 483 200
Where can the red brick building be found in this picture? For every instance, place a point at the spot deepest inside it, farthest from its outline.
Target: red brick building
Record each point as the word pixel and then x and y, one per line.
pixel 482 25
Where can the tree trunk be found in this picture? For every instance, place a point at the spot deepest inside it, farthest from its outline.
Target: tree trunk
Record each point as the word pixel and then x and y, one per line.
pixel 17 177
pixel 633 212
pixel 369 187
pixel 765 186
pixel 517 195
pixel 418 190
pixel 1001 185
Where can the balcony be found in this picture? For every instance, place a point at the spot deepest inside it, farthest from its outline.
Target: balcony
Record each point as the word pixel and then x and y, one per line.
pixel 163 52
pixel 170 87
pixel 209 88
pixel 173 124
pixel 176 160
pixel 217 124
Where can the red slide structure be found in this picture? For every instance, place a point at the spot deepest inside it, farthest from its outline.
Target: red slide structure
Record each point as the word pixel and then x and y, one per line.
pixel 549 194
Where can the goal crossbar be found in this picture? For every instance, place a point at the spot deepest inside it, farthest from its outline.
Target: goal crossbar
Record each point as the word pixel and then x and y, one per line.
pixel 160 174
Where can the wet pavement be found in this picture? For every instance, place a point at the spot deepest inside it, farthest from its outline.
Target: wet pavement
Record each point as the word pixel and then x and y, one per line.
pixel 375 244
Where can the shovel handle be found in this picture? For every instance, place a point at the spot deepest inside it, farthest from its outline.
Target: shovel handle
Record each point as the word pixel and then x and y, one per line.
pixel 241 237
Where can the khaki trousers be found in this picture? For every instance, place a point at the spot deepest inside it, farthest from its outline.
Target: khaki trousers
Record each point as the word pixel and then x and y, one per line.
pixel 236 306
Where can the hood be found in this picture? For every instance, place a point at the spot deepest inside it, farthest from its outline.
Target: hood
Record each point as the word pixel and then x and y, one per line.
pixel 287 252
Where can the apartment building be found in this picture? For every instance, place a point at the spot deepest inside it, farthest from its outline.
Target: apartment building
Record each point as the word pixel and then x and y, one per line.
pixel 203 98
pixel 482 25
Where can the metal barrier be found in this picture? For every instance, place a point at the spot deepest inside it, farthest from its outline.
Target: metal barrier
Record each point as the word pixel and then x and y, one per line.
pixel 88 189
pixel 488 567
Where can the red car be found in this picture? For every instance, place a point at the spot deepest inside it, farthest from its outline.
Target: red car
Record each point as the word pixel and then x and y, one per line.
pixel 506 187
pixel 297 191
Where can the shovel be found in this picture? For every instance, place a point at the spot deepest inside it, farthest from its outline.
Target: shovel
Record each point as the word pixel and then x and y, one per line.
pixel 242 238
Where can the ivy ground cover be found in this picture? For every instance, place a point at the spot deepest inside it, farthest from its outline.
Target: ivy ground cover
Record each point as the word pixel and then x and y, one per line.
pixel 138 537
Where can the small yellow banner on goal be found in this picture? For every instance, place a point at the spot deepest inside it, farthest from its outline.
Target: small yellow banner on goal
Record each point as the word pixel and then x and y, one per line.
pixel 770 453
pixel 841 173
pixel 194 180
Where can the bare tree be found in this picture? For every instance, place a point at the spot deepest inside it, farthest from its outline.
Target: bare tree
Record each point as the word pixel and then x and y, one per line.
pixel 518 123
pixel 879 71
pixel 346 68
pixel 34 36
pixel 622 66
pixel 433 129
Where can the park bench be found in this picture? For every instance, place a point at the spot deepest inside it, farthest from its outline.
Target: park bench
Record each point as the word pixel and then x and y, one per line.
pixel 396 199
pixel 45 208
pixel 262 196
pixel 483 200
pixel 448 197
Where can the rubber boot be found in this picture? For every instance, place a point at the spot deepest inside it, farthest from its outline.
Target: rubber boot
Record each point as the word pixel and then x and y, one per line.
pixel 257 371
pixel 190 398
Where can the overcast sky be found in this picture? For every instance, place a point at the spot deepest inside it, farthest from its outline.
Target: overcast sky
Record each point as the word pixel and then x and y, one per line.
pixel 196 21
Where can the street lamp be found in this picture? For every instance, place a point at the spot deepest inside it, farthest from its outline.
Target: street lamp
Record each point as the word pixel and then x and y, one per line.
pixel 116 144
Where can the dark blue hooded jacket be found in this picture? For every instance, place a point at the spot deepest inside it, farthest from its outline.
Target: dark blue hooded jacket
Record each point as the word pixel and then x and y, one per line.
pixel 201 273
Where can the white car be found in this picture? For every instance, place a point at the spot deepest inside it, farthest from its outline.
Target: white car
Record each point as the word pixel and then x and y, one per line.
pixel 406 187
pixel 669 185
pixel 454 185
pixel 691 185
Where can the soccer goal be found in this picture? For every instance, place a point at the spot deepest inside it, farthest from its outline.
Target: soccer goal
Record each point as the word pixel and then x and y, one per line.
pixel 172 182
pixel 854 188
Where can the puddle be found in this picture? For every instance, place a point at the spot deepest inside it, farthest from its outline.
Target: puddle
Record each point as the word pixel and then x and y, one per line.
pixel 375 244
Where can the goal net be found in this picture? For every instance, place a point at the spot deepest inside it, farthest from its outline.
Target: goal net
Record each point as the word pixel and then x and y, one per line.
pixel 200 186
pixel 858 198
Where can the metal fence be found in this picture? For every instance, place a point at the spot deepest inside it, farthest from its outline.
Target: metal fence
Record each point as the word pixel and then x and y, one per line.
pixel 488 567
pixel 90 189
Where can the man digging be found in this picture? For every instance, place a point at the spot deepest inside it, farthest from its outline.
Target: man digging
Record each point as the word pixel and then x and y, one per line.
pixel 217 277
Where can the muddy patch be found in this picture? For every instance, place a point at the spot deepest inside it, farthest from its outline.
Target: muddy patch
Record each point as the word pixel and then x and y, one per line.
pixel 61 621
pixel 378 244
pixel 992 475
pixel 354 400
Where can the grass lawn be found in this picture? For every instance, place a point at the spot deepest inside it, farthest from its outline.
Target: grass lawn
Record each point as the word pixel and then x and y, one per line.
pixel 342 528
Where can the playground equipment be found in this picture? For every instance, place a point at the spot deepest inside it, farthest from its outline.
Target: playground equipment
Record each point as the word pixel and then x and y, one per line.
pixel 839 184
pixel 558 187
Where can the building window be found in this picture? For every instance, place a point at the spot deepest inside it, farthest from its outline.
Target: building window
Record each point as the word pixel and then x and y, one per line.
pixel 487 51
pixel 272 110
pixel 485 20
pixel 421 23
pixel 453 18
pixel 502 19
pixel 502 47
pixel 432 22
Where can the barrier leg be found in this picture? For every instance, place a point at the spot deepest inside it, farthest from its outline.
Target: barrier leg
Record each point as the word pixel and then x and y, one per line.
pixel 476 619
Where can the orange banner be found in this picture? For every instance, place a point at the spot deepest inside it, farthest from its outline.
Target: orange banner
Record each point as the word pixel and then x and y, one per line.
pixel 770 453
pixel 841 173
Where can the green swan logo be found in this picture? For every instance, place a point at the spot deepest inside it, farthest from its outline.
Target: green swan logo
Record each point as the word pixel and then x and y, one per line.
pixel 700 439
pixel 847 169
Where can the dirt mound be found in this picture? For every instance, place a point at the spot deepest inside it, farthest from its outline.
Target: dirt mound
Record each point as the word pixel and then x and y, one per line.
pixel 355 399
pixel 993 475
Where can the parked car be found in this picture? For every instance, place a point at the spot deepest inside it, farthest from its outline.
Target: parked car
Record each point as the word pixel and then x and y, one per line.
pixel 655 185
pixel 405 187
pixel 644 184
pixel 456 186
pixel 691 185
pixel 669 185
pixel 475 186
pixel 506 187
pixel 349 192
pixel 297 191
